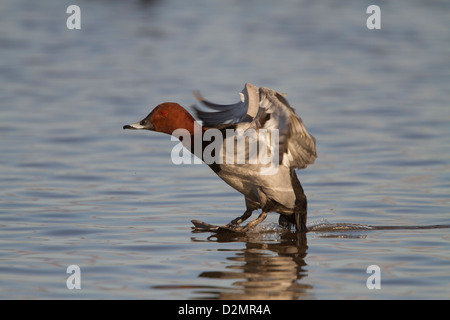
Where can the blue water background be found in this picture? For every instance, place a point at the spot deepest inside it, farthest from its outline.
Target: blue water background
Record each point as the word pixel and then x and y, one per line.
pixel 77 189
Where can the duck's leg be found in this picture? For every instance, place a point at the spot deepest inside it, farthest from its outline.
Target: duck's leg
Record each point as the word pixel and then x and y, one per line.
pixel 301 204
pixel 233 226
pixel 237 228
pixel 239 220
pixel 249 208
pixel 254 223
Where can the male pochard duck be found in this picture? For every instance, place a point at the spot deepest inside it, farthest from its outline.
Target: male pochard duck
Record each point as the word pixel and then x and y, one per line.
pixel 260 110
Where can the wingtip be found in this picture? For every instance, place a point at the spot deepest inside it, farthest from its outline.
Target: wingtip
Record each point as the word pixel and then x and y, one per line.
pixel 197 95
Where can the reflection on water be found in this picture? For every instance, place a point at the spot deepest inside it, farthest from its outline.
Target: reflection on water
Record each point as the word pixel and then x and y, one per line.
pixel 274 269
pixel 263 270
pixel 272 262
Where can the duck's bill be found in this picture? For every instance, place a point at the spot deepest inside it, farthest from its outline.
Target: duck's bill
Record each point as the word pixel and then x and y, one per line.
pixel 134 126
pixel 137 126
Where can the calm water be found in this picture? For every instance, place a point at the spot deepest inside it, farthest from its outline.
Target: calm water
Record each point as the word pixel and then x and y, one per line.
pixel 77 189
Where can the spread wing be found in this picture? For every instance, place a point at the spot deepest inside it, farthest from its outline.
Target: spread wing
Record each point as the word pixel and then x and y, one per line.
pixel 242 111
pixel 264 108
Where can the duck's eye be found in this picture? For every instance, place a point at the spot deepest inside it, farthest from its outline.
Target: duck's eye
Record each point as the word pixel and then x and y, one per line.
pixel 163 112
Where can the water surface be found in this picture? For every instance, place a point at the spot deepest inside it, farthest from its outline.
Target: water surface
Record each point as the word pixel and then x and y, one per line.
pixel 77 189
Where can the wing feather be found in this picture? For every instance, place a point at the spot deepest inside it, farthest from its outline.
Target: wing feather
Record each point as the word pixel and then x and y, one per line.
pixel 265 108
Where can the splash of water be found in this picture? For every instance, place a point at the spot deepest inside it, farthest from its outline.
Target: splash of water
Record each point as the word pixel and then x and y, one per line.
pixel 322 225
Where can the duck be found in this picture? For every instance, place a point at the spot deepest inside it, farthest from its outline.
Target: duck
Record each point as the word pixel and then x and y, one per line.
pixel 265 175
